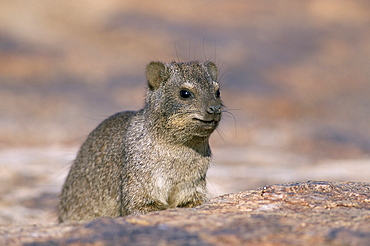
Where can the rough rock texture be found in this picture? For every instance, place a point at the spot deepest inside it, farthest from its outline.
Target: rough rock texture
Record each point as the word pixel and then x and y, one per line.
pixel 300 213
pixel 295 79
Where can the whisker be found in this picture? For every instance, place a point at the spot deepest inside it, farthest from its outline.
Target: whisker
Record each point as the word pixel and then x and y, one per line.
pixel 221 135
pixel 215 51
pixel 177 54
pixel 220 66
pixel 204 51
pixel 227 73
pixel 234 109
pixel 189 49
pixel 231 115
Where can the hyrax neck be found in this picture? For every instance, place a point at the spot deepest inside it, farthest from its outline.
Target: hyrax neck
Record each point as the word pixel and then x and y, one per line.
pixel 159 133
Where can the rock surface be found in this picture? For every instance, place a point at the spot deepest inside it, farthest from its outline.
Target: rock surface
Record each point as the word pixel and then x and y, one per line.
pixel 300 213
pixel 295 81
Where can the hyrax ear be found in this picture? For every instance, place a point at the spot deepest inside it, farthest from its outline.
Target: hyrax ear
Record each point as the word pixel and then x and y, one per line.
pixel 212 69
pixel 156 73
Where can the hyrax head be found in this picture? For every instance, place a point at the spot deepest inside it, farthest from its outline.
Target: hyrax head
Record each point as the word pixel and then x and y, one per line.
pixel 186 96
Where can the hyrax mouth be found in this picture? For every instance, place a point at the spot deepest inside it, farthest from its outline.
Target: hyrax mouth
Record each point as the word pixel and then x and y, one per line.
pixel 207 123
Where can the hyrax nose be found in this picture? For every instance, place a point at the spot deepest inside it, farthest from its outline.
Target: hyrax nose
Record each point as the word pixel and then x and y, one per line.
pixel 214 109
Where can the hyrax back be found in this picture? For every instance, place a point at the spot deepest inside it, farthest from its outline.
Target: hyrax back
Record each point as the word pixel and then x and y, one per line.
pixel 152 159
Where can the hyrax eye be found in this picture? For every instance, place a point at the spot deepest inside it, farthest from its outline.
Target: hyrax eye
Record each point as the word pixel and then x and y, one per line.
pixel 218 93
pixel 185 94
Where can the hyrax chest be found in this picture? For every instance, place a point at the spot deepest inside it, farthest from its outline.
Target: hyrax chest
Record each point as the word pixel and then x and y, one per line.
pixel 179 176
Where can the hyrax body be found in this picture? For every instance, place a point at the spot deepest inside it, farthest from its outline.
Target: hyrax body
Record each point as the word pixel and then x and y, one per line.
pixel 152 159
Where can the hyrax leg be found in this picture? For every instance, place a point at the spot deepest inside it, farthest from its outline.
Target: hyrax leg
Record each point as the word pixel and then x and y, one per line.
pixel 143 208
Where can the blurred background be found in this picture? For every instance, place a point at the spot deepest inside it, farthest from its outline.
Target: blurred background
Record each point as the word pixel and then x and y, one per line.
pixel 295 78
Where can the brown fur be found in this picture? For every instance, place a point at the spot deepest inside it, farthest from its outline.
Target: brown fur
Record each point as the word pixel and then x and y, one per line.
pixel 156 158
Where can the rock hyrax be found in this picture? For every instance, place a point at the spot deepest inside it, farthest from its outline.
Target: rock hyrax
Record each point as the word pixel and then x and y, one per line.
pixel 155 158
